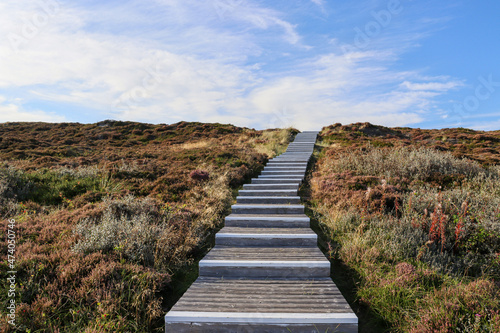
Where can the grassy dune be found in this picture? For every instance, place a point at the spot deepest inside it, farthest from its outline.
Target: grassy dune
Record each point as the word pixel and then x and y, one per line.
pixel 111 216
pixel 411 220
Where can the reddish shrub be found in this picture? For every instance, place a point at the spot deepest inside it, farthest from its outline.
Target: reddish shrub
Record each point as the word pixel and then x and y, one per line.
pixel 199 175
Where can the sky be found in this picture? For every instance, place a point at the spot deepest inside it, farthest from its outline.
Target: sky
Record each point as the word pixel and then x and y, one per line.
pixel 258 64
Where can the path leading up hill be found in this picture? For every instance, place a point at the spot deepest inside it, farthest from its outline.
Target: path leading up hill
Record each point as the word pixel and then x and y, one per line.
pixel 266 273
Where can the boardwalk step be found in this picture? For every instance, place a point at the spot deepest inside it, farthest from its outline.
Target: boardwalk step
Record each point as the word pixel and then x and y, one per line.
pixel 266 237
pixel 269 231
pixel 281 180
pixel 297 164
pixel 268 200
pixel 285 168
pixel 283 172
pixel 265 268
pixel 254 240
pixel 265 262
pixel 267 221
pixel 267 209
pixel 284 162
pixel 292 176
pixel 252 305
pixel 247 294
pixel 271 186
pixel 271 192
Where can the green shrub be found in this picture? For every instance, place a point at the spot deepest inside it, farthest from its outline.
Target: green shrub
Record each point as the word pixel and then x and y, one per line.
pixel 53 187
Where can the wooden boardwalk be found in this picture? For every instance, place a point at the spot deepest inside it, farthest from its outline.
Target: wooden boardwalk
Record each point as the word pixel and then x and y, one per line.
pixel 266 273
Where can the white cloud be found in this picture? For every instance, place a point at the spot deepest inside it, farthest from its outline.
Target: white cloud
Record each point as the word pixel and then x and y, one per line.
pixel 10 112
pixel 173 60
pixel 339 91
pixel 320 3
pixel 493 125
pixel 432 86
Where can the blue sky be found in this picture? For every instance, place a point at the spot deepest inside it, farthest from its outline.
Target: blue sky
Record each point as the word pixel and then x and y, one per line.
pixel 260 64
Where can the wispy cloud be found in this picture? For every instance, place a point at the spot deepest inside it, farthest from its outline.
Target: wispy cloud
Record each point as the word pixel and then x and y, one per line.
pixel 11 112
pixel 432 86
pixel 320 3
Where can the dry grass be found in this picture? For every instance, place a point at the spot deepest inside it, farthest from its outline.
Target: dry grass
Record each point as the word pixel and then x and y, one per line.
pixel 195 145
pixel 273 143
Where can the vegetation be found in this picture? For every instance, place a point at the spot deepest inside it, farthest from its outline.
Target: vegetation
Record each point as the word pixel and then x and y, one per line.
pixel 111 216
pixel 413 218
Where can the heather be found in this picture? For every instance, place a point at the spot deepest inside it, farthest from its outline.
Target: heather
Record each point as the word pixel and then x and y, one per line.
pixel 413 216
pixel 112 217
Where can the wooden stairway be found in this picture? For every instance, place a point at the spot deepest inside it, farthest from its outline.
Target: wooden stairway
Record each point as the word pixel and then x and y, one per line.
pixel 266 273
